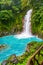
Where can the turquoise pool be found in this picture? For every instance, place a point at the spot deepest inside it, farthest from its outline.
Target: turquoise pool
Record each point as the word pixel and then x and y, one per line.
pixel 15 46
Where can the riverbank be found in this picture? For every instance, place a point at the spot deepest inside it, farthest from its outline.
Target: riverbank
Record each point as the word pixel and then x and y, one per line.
pixel 22 60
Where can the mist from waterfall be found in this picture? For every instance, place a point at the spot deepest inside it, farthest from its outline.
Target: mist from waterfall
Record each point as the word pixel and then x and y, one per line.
pixel 27 26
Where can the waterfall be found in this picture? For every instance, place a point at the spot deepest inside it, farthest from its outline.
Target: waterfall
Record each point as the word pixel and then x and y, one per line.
pixel 27 26
pixel 27 23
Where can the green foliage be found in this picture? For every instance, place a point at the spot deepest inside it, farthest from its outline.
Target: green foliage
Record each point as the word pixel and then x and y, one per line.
pixel 37 17
pixel 13 11
pixel 6 16
pixel 33 47
pixel 6 19
pixel 11 15
pixel 22 60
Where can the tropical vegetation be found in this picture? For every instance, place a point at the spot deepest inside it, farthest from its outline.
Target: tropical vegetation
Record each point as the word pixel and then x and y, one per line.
pixel 23 59
pixel 37 17
pixel 12 13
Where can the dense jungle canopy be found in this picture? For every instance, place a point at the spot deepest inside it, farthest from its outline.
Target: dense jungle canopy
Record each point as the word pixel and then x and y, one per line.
pixel 13 11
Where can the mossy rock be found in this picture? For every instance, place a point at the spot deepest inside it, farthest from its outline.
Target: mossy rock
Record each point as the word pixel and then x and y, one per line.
pixel 3 46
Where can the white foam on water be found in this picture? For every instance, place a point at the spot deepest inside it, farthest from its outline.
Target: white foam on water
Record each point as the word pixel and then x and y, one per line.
pixel 27 26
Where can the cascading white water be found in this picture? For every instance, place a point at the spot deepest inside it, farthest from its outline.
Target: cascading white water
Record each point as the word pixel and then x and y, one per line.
pixel 27 26
pixel 27 23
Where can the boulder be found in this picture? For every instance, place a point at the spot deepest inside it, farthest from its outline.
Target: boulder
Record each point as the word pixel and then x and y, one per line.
pixel 4 62
pixel 3 46
pixel 13 59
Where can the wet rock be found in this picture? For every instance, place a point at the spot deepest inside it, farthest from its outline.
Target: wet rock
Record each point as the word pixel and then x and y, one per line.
pixel 4 62
pixel 3 46
pixel 13 59
pixel 27 49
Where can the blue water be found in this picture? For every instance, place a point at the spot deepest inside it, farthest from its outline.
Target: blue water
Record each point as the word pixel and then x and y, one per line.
pixel 15 46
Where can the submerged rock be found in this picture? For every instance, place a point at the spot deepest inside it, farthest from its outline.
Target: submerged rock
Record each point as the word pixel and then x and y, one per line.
pixel 3 46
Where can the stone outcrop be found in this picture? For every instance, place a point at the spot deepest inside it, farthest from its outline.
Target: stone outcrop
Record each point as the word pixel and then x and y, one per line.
pixel 3 46
pixel 4 62
pixel 13 59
